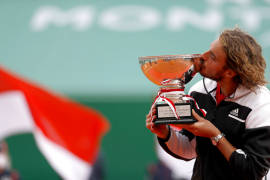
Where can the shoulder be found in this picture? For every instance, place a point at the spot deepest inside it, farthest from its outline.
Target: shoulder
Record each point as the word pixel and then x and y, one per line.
pixel 259 103
pixel 203 86
pixel 253 99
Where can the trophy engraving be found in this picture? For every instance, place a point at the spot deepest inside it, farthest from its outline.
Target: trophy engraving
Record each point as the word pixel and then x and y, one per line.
pixel 171 73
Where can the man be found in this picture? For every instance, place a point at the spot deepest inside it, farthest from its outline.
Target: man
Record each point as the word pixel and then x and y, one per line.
pixel 233 140
pixel 6 171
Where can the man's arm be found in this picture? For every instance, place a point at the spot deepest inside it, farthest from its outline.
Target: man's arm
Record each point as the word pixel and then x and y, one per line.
pixel 250 162
pixel 205 128
pixel 179 144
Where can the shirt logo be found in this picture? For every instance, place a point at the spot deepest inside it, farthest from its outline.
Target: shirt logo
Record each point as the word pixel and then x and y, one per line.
pixel 234 112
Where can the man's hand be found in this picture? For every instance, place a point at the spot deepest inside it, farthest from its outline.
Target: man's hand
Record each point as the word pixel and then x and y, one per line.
pixel 202 127
pixel 205 128
pixel 161 130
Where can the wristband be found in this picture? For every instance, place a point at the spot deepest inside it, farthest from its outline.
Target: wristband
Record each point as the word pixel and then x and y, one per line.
pixel 217 138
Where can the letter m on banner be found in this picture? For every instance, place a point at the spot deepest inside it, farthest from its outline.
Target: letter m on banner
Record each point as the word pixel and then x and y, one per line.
pixel 79 18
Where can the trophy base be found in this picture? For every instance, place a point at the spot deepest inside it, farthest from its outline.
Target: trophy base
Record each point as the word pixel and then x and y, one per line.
pixel 175 121
pixel 166 116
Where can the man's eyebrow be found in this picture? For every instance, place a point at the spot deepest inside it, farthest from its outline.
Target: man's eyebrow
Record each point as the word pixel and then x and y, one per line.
pixel 212 54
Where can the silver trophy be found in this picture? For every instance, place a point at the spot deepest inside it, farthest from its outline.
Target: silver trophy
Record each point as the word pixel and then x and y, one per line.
pixel 171 73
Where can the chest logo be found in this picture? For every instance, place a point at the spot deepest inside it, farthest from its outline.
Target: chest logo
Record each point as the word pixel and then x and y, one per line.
pixel 235 115
pixel 234 112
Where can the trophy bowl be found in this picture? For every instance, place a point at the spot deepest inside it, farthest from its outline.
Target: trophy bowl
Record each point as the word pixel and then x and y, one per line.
pixel 171 73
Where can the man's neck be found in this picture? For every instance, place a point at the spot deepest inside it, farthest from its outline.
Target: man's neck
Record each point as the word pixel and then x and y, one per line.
pixel 228 87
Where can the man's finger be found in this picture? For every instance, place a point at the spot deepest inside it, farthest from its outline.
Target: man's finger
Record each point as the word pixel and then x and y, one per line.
pixel 196 116
pixel 153 118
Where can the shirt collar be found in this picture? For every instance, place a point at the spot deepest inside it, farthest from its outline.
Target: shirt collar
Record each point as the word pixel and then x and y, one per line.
pixel 211 86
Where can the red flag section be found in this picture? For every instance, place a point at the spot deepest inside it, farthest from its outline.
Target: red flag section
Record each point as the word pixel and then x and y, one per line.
pixel 69 126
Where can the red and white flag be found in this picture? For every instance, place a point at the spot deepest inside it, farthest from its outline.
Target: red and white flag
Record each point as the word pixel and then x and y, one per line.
pixel 67 133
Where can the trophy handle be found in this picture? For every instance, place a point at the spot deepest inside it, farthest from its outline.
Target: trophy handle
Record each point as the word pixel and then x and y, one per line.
pixel 189 75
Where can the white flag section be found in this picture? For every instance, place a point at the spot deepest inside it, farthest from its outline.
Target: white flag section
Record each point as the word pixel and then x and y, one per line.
pixel 64 162
pixel 14 114
pixel 68 134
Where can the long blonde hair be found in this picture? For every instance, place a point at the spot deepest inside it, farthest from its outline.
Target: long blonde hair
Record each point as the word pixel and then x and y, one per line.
pixel 244 56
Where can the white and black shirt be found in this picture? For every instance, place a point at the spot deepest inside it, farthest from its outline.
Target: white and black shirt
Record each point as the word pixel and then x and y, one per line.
pixel 244 118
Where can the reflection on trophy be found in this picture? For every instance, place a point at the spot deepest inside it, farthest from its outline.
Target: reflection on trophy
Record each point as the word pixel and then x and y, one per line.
pixel 171 72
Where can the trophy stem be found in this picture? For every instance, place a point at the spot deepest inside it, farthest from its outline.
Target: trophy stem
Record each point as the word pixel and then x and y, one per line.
pixel 172 84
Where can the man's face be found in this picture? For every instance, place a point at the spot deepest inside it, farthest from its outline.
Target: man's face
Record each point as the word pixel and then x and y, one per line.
pixel 212 63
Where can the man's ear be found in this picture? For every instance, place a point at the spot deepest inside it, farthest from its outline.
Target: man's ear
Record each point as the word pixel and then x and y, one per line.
pixel 230 73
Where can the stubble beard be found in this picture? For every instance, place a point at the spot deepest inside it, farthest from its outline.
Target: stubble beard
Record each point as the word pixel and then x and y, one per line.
pixel 215 77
